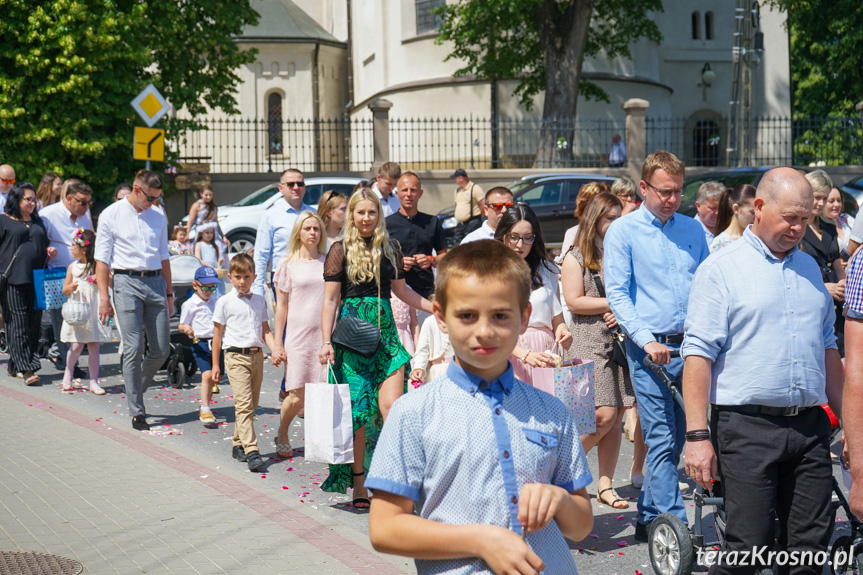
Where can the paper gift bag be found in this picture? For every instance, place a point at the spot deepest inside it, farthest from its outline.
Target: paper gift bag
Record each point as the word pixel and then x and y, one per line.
pixel 573 383
pixel 329 423
pixel 49 288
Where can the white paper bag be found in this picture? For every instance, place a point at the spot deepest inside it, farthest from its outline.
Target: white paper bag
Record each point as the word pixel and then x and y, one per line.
pixel 329 423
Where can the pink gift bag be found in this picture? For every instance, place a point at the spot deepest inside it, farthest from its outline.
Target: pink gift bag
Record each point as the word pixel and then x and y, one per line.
pixel 573 383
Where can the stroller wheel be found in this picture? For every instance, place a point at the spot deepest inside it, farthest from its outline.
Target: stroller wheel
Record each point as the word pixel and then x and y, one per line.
pixel 176 373
pixel 841 560
pixel 670 545
pixel 4 346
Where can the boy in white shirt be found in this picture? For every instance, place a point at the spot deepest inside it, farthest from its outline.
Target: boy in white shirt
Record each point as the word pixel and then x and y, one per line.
pixel 240 325
pixel 196 321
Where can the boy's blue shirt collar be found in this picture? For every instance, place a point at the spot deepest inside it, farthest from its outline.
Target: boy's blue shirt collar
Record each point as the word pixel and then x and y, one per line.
pixel 474 384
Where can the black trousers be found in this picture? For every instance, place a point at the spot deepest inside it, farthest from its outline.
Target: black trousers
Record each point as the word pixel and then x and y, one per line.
pixel 774 467
pixel 23 323
pixel 465 228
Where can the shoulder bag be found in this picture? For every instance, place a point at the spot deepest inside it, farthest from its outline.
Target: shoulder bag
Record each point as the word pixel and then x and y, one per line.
pixel 618 355
pixel 4 277
pixel 358 335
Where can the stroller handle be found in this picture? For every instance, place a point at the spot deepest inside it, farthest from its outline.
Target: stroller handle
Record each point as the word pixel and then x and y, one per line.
pixel 663 375
pixel 649 363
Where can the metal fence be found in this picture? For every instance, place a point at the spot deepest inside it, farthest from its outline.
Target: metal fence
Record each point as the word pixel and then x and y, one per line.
pixel 702 141
pixel 250 145
pixel 236 145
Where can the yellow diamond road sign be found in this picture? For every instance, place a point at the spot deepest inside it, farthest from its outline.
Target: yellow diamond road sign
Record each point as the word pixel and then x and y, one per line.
pixel 149 144
pixel 150 105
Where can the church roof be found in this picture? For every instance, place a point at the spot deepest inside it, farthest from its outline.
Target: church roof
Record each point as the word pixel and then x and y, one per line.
pixel 284 21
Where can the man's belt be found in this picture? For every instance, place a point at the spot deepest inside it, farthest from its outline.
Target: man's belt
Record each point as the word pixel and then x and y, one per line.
pixel 138 273
pixel 669 339
pixel 790 411
pixel 243 350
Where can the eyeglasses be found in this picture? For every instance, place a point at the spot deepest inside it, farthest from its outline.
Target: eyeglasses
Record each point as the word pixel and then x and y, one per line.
pixel 209 288
pixel 665 194
pixel 84 203
pixel 300 184
pixel 31 200
pixel 150 199
pixel 500 206
pixel 5 181
pixel 527 239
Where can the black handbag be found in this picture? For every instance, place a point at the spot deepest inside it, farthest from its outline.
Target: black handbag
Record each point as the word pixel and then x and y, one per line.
pixel 358 335
pixel 618 354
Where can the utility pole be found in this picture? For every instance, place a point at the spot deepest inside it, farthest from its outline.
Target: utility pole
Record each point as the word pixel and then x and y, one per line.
pixel 746 55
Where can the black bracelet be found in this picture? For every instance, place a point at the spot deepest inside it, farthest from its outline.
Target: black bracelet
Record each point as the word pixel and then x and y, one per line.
pixel 698 435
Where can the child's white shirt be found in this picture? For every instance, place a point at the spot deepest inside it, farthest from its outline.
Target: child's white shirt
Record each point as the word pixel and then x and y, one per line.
pixel 433 344
pixel 199 314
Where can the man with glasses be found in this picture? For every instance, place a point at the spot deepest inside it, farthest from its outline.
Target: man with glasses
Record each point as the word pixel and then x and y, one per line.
pixel 7 180
pixel 276 225
pixel 650 257
pixel 132 242
pixel 62 219
pixel 497 200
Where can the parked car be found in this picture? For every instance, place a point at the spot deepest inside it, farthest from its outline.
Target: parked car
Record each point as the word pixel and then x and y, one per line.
pixel 733 177
pixel 239 221
pixel 552 197
pixel 854 187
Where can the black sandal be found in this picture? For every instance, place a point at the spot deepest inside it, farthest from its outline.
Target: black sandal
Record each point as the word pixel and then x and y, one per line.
pixel 360 500
pixel 617 498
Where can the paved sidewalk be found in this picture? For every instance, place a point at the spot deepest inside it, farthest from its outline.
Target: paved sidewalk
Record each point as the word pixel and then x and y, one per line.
pixel 120 502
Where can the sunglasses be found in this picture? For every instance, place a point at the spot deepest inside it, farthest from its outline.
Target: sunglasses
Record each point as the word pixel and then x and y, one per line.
pixel 500 206
pixel 86 203
pixel 5 181
pixel 208 288
pixel 150 199
pixel 299 184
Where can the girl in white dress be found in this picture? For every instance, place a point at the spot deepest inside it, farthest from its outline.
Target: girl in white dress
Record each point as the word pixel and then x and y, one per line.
pixel 81 280
pixel 208 250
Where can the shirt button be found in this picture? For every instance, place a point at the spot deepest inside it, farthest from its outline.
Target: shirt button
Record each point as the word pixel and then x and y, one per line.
pixel 787 287
pixel 483 385
pixel 506 453
pixel 514 499
pixel 793 335
pixel 472 390
pixel 792 311
pixel 544 440
pixel 497 411
pixel 795 361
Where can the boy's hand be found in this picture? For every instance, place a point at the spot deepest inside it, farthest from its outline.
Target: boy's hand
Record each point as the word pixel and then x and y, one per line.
pixel 187 330
pixel 507 553
pixel 216 373
pixel 538 502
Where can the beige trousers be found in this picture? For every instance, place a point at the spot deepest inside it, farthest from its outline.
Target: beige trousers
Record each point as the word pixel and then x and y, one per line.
pixel 245 373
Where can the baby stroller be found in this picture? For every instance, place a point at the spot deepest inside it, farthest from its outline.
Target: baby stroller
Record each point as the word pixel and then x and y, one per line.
pixel 672 545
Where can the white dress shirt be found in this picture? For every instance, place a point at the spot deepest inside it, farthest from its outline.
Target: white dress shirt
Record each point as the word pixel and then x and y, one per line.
pixel 243 320
pixel 132 240
pixel 199 314
pixel 545 303
pixel 272 238
pixel 389 205
pixel 61 229
pixel 708 235
pixel 484 232
pixel 3 202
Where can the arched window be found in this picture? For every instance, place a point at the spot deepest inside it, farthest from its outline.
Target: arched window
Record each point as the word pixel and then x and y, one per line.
pixel 708 25
pixel 274 122
pixel 696 26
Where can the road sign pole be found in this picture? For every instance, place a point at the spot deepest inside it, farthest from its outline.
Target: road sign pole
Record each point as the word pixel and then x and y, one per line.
pixel 148 165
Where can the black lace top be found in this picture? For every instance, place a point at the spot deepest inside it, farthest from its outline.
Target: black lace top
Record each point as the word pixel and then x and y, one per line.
pixel 334 271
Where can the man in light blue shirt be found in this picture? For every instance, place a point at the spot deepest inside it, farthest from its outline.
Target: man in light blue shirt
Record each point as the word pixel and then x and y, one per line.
pixel 276 226
pixel 650 257
pixel 760 348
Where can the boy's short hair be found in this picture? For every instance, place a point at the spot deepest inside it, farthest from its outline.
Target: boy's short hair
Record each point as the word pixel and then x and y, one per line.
pixel 487 260
pixel 390 170
pixel 242 263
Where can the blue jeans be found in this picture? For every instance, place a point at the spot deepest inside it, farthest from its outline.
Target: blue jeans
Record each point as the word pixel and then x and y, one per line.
pixel 664 426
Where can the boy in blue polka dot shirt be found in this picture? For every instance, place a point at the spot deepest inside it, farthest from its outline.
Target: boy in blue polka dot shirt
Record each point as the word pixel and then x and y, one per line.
pixel 493 466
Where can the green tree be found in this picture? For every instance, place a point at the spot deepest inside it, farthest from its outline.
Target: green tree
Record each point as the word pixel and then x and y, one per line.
pixel 825 55
pixel 70 68
pixel 542 44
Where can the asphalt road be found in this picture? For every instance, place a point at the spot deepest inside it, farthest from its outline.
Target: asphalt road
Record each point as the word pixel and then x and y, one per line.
pixel 173 414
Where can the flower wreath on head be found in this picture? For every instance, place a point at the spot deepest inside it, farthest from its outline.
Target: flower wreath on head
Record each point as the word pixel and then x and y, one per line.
pixel 206 226
pixel 79 240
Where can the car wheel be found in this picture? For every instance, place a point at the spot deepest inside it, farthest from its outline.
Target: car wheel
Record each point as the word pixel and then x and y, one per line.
pixel 241 243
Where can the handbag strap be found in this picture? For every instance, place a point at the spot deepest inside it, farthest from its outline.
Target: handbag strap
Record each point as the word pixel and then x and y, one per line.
pixel 9 267
pixel 596 279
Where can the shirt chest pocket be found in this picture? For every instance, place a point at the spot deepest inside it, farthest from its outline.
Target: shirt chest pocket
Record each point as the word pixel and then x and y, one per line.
pixel 542 452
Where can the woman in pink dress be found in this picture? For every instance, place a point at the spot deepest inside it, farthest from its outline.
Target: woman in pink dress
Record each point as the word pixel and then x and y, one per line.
pixel 299 277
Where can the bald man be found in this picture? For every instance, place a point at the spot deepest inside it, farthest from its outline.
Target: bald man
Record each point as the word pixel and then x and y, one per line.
pixel 760 355
pixel 7 180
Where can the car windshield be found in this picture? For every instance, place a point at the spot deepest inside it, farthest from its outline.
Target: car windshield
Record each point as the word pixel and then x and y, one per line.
pixel 259 197
pixel 519 185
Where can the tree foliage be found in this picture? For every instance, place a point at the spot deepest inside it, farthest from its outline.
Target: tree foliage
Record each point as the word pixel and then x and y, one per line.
pixel 825 55
pixel 70 68
pixel 501 38
pixel 542 44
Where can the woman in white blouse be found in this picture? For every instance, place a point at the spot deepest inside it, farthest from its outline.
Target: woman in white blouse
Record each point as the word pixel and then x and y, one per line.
pixel 520 230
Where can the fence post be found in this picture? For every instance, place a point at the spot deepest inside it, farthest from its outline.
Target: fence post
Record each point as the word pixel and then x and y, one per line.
pixel 380 132
pixel 636 137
